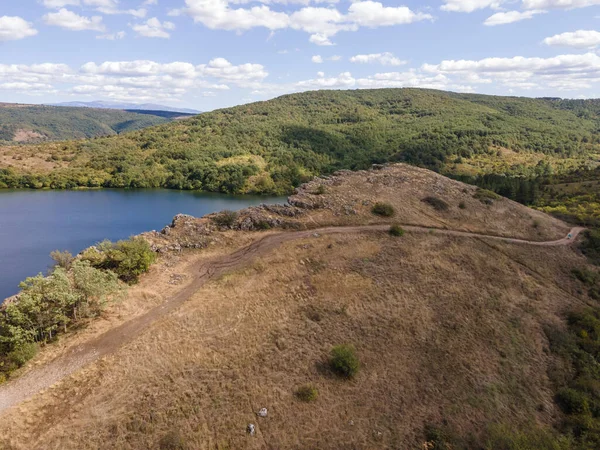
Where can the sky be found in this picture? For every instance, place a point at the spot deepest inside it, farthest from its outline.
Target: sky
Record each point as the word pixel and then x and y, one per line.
pixel 208 54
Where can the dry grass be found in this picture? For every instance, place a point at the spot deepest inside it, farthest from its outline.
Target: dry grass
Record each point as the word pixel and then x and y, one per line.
pixel 445 328
pixel 351 196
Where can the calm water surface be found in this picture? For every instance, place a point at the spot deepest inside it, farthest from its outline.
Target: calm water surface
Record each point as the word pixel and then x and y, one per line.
pixel 33 223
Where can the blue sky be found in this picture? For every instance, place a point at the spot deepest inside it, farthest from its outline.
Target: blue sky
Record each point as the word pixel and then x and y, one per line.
pixel 207 54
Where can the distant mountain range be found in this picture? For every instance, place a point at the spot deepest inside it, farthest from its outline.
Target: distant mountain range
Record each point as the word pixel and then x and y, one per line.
pixel 127 106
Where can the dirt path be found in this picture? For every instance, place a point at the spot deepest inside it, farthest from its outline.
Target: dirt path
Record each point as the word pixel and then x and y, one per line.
pixel 22 388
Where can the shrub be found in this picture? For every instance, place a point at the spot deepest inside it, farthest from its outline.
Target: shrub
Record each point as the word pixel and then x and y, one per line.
pixel 23 353
pixel 225 219
pixel 172 441
pixel 462 205
pixel 128 259
pixel 572 401
pixel 396 230
pixel 320 190
pixel 485 196
pixel 344 361
pixel 584 275
pixel 62 259
pixel 262 225
pixel 383 209
pixel 437 203
pixel 307 393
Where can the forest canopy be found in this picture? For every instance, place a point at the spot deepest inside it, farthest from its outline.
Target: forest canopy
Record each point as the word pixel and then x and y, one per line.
pixel 271 147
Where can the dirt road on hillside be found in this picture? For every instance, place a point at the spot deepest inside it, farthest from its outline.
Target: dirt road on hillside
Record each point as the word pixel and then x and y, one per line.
pixel 38 379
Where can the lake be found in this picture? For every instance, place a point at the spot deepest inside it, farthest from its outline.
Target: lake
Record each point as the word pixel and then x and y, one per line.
pixel 34 223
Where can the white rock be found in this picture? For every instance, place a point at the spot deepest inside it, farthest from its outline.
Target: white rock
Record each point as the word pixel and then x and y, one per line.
pixel 251 429
pixel 262 412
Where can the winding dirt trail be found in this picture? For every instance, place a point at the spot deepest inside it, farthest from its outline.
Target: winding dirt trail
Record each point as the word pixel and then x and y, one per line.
pixel 22 388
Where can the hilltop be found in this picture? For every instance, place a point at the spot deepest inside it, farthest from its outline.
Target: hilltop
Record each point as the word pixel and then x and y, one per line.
pixel 274 146
pixel 37 123
pixel 128 106
pixel 455 324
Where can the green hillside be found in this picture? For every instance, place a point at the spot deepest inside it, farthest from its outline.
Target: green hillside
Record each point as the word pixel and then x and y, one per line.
pixel 272 146
pixel 32 123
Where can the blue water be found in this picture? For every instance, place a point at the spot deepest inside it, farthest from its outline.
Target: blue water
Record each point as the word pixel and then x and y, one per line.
pixel 34 223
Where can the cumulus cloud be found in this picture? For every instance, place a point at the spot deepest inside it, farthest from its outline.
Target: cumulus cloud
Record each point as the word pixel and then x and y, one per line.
pixel 318 59
pixel 469 5
pixel 558 4
pixel 320 22
pixel 577 39
pixel 385 59
pixel 503 18
pixel 15 28
pixel 72 21
pixel 154 28
pixel 59 3
pixel 563 72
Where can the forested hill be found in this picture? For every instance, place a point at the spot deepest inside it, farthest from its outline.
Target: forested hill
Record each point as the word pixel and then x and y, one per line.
pixel 274 145
pixel 37 123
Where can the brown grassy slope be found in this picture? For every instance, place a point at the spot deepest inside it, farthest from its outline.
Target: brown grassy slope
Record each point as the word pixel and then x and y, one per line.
pixel 352 194
pixel 446 328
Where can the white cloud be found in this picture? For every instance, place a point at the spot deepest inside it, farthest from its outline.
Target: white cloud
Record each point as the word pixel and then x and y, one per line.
pixel 72 21
pixel 563 72
pixel 15 28
pixel 242 75
pixel 503 18
pixel 154 28
pixel 216 14
pixel 112 37
pixel 321 23
pixel 318 59
pixel 577 39
pixel 558 4
pixel 150 2
pixel 374 14
pixel 59 3
pixel 320 39
pixel 469 5
pixel 385 59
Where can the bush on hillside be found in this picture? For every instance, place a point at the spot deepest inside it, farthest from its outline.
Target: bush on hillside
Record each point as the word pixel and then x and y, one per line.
pixel 396 230
pixel 128 258
pixel 485 196
pixel 307 393
pixel 344 360
pixel 383 209
pixel 437 203
pixel 172 441
pixel 225 219
pixel 62 259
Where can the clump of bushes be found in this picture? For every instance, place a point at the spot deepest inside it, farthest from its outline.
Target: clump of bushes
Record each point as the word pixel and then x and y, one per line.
pixel 75 290
pixel 383 209
pixel 225 219
pixel 462 205
pixel 320 190
pixel 485 196
pixel 584 275
pixel 396 230
pixel 576 379
pixel 128 259
pixel 307 393
pixel 437 203
pixel 172 441
pixel 344 360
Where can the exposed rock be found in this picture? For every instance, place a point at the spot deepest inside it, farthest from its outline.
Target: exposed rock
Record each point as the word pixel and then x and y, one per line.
pixel 251 429
pixel 262 413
